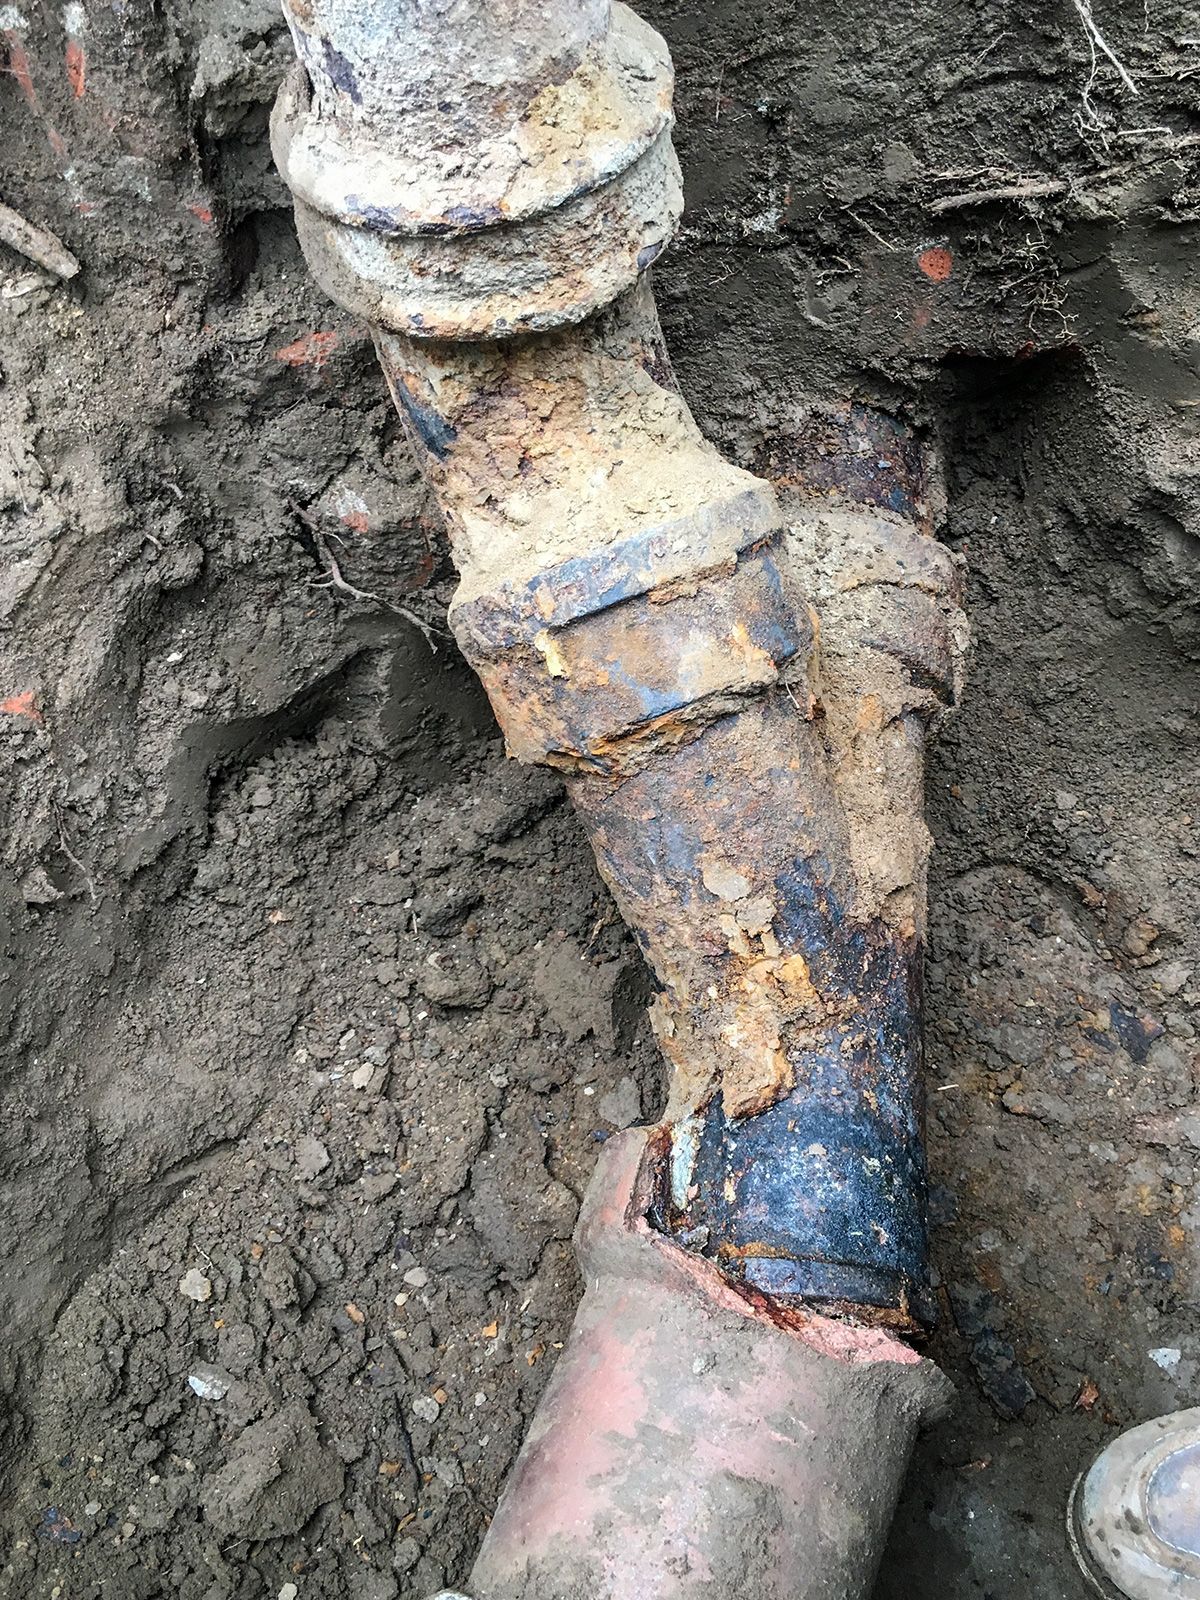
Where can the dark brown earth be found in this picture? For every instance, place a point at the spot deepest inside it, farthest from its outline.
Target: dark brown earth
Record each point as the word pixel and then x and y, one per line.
pixel 314 1005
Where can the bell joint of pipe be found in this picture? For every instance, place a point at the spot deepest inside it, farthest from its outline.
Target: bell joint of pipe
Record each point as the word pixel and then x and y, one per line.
pixel 546 200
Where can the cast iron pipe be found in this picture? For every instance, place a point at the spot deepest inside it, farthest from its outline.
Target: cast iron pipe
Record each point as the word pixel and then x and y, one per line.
pixel 487 184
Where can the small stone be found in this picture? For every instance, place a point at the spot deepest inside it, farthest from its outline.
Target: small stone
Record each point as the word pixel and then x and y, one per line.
pixel 426 1407
pixel 405 1554
pixel 416 1277
pixel 92 1508
pixel 36 888
pixel 1173 976
pixel 361 1077
pixel 195 1286
pixel 263 796
pixel 1167 1359
pixel 288 1592
pixel 208 1383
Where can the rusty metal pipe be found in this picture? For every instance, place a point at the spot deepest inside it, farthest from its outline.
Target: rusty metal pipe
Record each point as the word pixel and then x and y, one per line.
pixel 639 611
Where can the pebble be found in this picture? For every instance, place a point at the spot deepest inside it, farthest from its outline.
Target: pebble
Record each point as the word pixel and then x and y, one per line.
pixel 208 1383
pixel 92 1508
pixel 1167 1359
pixel 426 1407
pixel 288 1592
pixel 361 1076
pixel 195 1286
pixel 416 1277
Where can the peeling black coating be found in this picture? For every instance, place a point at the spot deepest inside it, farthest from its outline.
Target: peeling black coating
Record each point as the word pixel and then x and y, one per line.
pixel 430 428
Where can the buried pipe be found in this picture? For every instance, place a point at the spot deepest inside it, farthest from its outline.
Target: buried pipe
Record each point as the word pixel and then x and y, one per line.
pixel 486 185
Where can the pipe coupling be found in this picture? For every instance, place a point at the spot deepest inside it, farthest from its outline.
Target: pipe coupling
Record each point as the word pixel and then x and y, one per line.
pixel 565 191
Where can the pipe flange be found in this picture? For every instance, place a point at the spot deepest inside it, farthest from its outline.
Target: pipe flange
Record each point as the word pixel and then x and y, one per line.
pixel 546 222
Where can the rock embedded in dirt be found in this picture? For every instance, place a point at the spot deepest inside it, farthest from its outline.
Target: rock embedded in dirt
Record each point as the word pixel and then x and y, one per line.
pixel 195 1286
pixel 277 1475
pixel 209 1383
pixel 621 1106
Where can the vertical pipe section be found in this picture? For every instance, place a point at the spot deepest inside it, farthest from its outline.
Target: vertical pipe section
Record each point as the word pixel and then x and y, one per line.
pixel 629 601
pixel 486 185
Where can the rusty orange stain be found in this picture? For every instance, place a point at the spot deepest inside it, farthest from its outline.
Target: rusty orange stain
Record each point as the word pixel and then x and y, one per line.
pixel 310 350
pixel 421 576
pixel 18 63
pixel 203 214
pixel 23 704
pixel 76 67
pixel 936 263
pixel 356 521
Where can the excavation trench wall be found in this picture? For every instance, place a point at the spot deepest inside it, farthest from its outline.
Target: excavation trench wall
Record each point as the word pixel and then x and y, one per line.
pixel 313 1004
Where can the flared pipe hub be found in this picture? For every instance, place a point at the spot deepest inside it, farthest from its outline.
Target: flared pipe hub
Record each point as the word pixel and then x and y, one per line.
pixel 414 137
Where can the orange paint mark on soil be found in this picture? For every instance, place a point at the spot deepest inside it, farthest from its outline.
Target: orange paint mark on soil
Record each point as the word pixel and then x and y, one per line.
pixel 22 705
pixel 18 63
pixel 200 211
pixel 310 350
pixel 76 67
pixel 936 263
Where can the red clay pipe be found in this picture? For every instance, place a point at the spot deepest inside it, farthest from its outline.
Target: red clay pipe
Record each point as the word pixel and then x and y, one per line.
pixel 695 1445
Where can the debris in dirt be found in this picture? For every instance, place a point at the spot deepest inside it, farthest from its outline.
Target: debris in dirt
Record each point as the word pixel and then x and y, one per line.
pixel 58 1527
pixel 455 979
pixel 1136 1033
pixel 1168 1358
pixel 37 889
pixel 289 1591
pixel 210 1383
pixel 277 1474
pixel 980 1320
pixel 36 244
pixel 426 1408
pixel 416 1277
pixel 311 1157
pixel 195 1286
pixel 1089 1393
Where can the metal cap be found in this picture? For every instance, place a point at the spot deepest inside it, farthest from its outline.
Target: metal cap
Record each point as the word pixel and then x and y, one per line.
pixel 1134 1518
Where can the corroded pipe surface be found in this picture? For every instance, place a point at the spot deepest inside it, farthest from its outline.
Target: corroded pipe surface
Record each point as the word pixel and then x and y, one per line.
pixel 630 601
pixel 634 608
pixel 641 612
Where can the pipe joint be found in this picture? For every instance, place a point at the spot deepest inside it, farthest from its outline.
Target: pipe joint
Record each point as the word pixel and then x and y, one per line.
pixel 466 172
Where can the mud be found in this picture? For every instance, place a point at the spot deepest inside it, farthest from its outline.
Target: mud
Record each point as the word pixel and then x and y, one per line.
pixel 311 998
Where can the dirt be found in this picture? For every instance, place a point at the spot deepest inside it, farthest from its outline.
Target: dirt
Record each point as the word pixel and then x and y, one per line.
pixel 314 1009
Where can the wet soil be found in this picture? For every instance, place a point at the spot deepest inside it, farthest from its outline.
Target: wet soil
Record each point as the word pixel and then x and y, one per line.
pixel 314 1009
